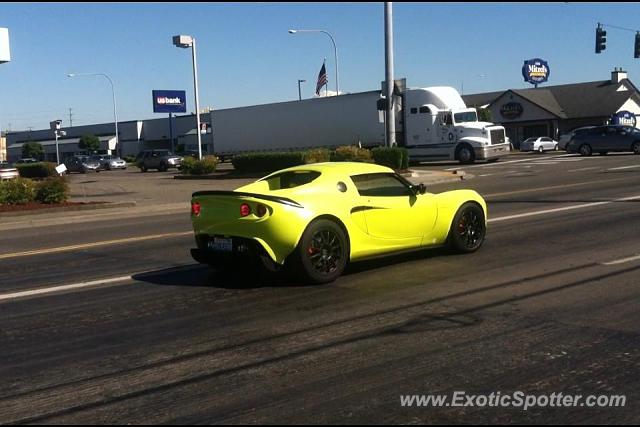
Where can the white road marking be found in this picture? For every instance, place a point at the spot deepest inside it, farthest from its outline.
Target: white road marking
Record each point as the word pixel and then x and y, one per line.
pixel 42 291
pixel 624 167
pixel 499 163
pixel 563 209
pixel 623 260
pixel 583 169
pixel 90 284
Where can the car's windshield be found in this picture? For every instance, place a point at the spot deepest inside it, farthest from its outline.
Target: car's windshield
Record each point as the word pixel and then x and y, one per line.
pixel 467 116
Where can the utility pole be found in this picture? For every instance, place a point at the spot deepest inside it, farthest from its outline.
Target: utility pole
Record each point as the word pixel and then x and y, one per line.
pixel 388 49
pixel 70 118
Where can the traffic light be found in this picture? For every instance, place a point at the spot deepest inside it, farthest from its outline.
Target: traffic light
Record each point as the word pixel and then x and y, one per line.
pixel 636 50
pixel 601 39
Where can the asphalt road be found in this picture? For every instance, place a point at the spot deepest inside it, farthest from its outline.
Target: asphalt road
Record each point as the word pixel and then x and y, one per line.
pixel 549 304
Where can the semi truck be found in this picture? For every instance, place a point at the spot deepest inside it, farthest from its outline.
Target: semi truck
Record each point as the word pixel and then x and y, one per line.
pixel 432 123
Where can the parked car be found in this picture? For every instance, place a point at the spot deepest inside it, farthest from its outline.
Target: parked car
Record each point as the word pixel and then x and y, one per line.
pixel 605 139
pixel 158 159
pixel 27 160
pixel 109 162
pixel 539 144
pixel 565 138
pixel 82 164
pixel 8 172
pixel 317 218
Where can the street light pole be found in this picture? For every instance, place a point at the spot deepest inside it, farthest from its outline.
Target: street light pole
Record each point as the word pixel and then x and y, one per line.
pixel 185 42
pixel 113 96
pixel 388 48
pixel 299 90
pixel 335 50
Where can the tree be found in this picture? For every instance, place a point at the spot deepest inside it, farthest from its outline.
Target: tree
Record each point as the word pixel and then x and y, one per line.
pixel 484 115
pixel 32 149
pixel 91 143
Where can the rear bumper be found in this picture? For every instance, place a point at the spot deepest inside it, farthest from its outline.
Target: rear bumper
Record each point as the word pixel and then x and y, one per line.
pixel 245 253
pixel 491 151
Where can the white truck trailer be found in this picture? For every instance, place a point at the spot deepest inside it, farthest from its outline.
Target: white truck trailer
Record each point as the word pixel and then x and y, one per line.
pixel 432 123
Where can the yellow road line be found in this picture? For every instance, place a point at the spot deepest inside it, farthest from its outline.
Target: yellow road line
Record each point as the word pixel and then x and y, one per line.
pixel 93 245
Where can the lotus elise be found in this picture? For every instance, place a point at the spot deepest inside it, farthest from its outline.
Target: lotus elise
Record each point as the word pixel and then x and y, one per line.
pixel 315 219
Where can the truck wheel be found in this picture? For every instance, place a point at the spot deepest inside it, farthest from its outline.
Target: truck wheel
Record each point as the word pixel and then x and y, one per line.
pixel 322 253
pixel 465 154
pixel 468 229
pixel 163 167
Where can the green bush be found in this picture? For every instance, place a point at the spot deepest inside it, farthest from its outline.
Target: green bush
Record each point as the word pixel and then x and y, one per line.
pixel 17 191
pixel 52 190
pixel 37 170
pixel 351 153
pixel 394 157
pixel 32 149
pixel 191 166
pixel 129 159
pixel 267 162
pixel 318 155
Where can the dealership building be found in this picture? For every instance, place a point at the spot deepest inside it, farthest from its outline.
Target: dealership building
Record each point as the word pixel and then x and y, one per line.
pixel 543 111
pixel 555 110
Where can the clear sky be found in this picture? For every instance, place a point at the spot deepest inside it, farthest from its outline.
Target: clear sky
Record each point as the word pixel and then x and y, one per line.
pixel 246 56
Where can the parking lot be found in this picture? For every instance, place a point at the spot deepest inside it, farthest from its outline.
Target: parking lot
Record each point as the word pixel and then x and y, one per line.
pixel 109 319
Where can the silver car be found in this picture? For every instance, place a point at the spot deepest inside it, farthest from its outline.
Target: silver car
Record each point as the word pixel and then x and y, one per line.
pixel 8 172
pixel 540 144
pixel 82 164
pixel 109 162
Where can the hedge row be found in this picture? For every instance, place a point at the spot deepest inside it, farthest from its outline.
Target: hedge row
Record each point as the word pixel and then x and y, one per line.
pixel 37 170
pixel 264 162
pixel 21 191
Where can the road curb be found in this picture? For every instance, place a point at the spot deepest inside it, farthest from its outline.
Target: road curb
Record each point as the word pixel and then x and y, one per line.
pixel 91 207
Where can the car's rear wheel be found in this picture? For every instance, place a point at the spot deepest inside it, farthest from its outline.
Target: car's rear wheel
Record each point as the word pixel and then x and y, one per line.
pixel 468 229
pixel 636 147
pixel 585 150
pixel 143 168
pixel 322 253
pixel 163 167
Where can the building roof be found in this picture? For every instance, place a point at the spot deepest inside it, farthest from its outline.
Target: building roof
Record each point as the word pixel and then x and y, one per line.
pixel 578 100
pixel 61 141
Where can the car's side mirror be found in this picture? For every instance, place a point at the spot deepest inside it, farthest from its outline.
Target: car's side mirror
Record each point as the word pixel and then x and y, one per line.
pixel 419 189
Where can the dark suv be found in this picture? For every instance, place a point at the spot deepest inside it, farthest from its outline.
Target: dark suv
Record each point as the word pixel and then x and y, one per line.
pixel 604 139
pixel 157 159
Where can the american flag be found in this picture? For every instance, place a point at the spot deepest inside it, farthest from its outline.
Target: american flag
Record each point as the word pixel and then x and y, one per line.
pixel 322 79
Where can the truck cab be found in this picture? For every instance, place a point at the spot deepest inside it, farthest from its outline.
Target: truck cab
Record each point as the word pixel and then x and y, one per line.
pixel 439 126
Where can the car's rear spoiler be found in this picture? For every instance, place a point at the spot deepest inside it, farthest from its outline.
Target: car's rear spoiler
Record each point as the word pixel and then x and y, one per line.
pixel 277 199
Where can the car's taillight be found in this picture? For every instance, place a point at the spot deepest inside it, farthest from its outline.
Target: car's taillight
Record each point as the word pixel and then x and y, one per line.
pixel 261 210
pixel 245 210
pixel 195 208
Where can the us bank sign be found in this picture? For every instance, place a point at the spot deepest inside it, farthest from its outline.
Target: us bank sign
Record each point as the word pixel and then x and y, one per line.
pixel 535 71
pixel 169 101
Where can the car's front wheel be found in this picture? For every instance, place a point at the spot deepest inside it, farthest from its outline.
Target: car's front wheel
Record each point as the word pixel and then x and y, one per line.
pixel 541 149
pixel 322 253
pixel 585 150
pixel 468 229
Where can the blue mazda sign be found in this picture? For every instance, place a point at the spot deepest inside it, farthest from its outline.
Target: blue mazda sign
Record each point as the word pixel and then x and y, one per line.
pixel 535 71
pixel 169 101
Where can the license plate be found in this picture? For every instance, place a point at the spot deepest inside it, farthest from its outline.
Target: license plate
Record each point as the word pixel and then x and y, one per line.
pixel 221 244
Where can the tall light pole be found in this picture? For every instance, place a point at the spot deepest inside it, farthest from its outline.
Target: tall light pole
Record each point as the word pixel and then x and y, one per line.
pixel 388 62
pixel 335 50
pixel 113 95
pixel 299 90
pixel 184 42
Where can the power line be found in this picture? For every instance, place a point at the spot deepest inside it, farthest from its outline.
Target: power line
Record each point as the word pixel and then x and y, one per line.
pixel 618 28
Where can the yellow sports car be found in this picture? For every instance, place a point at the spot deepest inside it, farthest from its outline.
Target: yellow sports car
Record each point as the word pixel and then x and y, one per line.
pixel 316 218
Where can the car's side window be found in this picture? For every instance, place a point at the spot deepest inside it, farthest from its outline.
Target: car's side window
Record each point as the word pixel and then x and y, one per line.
pixel 380 185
